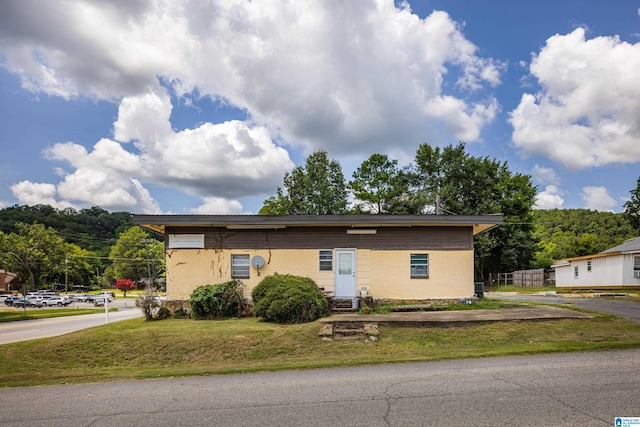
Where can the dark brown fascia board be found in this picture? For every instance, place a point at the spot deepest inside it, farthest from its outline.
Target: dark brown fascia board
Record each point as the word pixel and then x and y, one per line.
pixel 158 223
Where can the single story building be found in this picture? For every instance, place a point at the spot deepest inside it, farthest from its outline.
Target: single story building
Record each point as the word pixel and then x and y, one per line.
pixel 615 268
pixel 401 257
pixel 8 281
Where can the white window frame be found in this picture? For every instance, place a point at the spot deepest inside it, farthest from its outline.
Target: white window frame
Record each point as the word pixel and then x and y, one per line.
pixel 239 264
pixel 589 267
pixel 414 264
pixel 325 260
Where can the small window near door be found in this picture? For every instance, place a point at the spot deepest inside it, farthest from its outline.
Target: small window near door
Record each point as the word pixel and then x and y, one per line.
pixel 588 266
pixel 576 272
pixel 636 266
pixel 419 266
pixel 326 260
pixel 240 266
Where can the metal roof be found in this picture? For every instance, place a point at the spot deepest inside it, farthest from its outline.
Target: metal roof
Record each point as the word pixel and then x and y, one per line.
pixel 159 223
pixel 631 245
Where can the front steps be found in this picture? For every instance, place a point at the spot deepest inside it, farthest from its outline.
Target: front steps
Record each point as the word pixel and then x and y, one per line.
pixel 343 330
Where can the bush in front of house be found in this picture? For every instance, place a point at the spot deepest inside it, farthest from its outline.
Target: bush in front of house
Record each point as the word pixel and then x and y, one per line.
pixel 284 298
pixel 152 307
pixel 219 301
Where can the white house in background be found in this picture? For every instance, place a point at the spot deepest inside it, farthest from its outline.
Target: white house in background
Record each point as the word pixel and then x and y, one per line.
pixel 618 267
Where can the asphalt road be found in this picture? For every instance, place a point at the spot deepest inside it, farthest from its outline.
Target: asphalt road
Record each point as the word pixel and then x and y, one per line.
pixel 628 309
pixel 567 389
pixel 42 328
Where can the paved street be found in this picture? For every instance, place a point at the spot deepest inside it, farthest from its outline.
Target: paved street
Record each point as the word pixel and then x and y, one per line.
pixel 568 389
pixel 42 328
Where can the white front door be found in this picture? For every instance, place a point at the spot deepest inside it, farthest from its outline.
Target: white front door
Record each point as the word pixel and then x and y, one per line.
pixel 345 273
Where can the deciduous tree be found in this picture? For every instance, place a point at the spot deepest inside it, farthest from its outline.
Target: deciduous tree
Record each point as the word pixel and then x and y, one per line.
pixel 465 185
pixel 35 252
pixel 135 255
pixel 632 208
pixel 317 188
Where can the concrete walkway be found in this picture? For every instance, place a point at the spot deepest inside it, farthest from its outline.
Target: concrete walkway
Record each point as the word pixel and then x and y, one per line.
pixel 442 318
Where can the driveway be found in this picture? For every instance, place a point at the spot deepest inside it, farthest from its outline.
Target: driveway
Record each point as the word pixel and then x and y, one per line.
pixel 626 309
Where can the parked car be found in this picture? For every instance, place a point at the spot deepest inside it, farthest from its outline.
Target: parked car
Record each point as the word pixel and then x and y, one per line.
pixel 100 298
pixel 23 302
pixel 10 299
pixel 83 298
pixel 59 301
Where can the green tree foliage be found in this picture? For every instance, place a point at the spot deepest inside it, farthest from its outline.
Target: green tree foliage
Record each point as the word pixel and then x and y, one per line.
pixel 566 233
pixel 80 266
pixel 93 229
pixel 35 252
pixel 219 301
pixel 135 255
pixel 288 299
pixel 467 185
pixel 318 188
pixel 377 184
pixel 632 208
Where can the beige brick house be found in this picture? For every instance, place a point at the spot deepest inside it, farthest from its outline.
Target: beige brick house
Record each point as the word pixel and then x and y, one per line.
pixel 410 257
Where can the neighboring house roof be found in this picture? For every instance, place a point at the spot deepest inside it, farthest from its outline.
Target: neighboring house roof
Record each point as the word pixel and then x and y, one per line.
pixel 9 277
pixel 629 246
pixel 159 223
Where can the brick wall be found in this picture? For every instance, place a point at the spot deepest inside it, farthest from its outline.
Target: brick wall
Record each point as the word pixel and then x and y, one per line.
pixel 385 273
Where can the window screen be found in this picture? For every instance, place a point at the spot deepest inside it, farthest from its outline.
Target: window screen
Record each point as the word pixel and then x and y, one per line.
pixel 326 260
pixel 240 266
pixel 419 265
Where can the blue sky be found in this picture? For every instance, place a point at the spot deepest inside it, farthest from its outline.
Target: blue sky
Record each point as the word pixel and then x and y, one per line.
pixel 192 107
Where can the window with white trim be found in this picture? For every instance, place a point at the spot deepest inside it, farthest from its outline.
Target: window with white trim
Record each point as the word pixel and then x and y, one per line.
pixel 240 267
pixel 419 266
pixel 636 266
pixel 588 266
pixel 325 260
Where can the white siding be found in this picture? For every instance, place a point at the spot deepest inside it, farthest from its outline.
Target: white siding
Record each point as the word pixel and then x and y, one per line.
pixel 614 271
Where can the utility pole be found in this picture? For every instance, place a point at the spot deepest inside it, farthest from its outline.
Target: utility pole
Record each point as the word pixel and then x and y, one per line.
pixel 66 274
pixel 146 247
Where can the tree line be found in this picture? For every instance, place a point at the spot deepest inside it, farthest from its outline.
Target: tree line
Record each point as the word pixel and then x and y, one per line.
pixel 91 247
pixel 450 181
pixel 439 181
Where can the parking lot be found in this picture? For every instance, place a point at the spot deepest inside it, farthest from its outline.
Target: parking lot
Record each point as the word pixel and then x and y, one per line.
pixel 63 301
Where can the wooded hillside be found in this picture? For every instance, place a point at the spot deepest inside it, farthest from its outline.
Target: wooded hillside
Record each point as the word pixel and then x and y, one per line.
pixel 565 233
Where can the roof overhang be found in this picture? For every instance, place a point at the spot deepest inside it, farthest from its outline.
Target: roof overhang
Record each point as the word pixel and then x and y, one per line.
pixel 160 223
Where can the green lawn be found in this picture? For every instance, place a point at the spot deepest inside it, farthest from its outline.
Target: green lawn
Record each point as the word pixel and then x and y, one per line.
pixel 135 349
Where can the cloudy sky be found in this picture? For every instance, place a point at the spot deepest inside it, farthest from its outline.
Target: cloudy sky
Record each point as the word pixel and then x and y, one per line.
pixel 177 106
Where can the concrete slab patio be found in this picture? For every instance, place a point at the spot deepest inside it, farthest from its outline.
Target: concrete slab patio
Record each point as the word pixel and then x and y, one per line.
pixel 443 318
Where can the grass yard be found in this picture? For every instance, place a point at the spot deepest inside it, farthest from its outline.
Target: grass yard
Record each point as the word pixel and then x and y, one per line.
pixel 135 349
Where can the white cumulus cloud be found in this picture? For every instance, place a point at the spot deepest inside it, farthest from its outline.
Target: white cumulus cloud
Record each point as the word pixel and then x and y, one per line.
pixel 351 78
pixel 343 76
pixel 598 199
pixel 218 206
pixel 586 113
pixel 549 198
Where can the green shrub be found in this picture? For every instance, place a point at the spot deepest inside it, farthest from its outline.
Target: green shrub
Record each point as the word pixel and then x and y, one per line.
pixel 283 298
pixel 218 301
